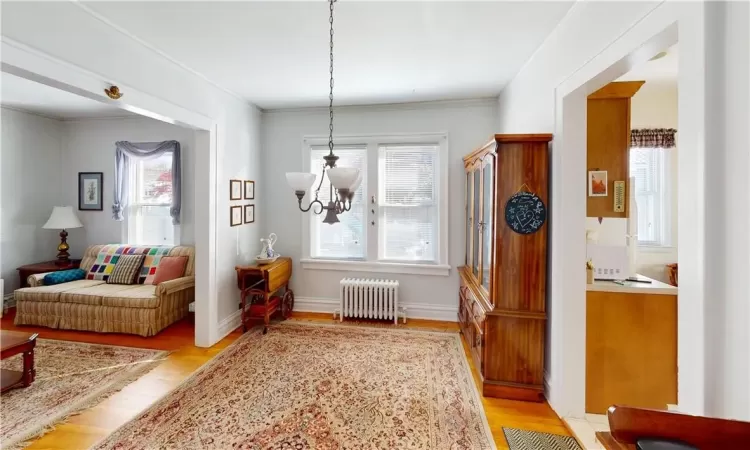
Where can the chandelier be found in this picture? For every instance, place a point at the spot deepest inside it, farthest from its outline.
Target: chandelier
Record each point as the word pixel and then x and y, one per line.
pixel 344 180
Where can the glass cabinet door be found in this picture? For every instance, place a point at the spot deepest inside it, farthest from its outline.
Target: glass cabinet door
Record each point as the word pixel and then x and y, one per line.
pixel 468 205
pixel 476 214
pixel 486 223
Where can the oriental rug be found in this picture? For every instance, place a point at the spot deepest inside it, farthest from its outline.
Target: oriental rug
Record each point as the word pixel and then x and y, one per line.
pixel 70 377
pixel 304 386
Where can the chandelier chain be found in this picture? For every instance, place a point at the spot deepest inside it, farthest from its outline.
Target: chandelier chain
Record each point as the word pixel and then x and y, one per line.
pixel 330 93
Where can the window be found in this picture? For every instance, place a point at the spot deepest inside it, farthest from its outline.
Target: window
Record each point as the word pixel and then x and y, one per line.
pixel 650 167
pixel 346 239
pixel 148 219
pixel 408 211
pixel 399 213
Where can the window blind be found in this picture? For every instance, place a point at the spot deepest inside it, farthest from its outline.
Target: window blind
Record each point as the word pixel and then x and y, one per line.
pixel 345 239
pixel 646 165
pixel 407 202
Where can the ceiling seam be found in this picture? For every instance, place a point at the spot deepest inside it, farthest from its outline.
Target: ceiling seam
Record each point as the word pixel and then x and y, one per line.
pixel 33 113
pixel 152 48
pixel 538 49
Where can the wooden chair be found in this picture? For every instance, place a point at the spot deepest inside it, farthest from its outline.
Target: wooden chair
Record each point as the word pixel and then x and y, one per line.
pixel 648 429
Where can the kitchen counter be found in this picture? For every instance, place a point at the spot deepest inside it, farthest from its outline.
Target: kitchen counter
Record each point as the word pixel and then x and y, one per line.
pixel 630 287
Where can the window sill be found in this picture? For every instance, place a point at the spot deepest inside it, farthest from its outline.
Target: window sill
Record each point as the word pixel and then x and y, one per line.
pixel 377 267
pixel 656 249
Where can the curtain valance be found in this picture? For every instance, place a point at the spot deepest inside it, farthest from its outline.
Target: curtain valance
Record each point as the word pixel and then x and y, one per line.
pixel 145 150
pixel 652 138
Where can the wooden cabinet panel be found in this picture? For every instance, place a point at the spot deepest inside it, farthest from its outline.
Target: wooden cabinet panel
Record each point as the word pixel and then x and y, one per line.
pixel 608 143
pixel 631 350
pixel 521 265
pixel 518 343
pixel 503 285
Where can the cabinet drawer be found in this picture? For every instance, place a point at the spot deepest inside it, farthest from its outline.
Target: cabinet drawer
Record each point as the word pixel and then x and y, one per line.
pixel 477 346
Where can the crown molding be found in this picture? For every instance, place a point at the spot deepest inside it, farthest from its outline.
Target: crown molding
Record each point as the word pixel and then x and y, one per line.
pixel 461 103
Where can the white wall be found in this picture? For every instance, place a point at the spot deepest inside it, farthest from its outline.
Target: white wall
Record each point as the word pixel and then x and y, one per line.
pixel 727 308
pixel 103 52
pixel 88 145
pixel 469 124
pixel 527 103
pixel 607 38
pixel 30 160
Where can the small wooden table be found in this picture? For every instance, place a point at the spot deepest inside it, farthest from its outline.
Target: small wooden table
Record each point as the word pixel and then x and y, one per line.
pixel 259 285
pixel 48 266
pixel 12 343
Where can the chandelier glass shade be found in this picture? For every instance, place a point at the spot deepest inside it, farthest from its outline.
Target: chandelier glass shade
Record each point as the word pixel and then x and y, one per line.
pixel 343 180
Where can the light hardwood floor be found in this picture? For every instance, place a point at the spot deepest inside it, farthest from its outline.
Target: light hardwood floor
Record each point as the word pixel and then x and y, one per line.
pixel 85 429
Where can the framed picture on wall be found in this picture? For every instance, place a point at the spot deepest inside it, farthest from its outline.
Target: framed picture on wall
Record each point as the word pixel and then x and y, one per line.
pixel 90 191
pixel 597 183
pixel 235 189
pixel 235 216
pixel 249 190
pixel 249 213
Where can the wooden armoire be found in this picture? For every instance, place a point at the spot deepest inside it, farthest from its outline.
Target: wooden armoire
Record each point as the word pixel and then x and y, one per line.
pixel 503 282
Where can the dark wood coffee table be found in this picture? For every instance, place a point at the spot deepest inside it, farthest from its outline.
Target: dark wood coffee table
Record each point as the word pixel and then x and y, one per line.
pixel 12 343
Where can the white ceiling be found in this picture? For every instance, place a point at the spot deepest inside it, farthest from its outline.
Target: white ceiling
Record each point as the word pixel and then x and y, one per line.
pixel 20 93
pixel 660 71
pixel 275 54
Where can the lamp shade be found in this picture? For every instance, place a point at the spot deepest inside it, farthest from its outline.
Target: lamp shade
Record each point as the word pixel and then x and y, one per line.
pixel 300 181
pixel 62 218
pixel 342 177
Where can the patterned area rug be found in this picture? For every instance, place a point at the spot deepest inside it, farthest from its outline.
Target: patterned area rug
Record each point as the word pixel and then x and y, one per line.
pixel 70 377
pixel 533 440
pixel 321 387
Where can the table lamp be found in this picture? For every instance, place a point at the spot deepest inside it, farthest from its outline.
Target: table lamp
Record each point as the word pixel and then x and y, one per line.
pixel 62 218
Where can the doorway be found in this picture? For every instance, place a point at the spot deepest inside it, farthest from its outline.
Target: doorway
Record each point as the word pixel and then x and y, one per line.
pixel 199 132
pixel 567 331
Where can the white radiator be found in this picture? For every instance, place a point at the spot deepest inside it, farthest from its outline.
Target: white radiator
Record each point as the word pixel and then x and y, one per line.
pixel 369 299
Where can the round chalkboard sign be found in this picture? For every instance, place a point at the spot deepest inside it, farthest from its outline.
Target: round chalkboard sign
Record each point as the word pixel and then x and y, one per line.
pixel 525 212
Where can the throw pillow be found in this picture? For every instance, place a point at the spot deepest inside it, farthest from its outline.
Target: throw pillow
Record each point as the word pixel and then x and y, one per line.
pixel 170 267
pixel 126 270
pixel 64 276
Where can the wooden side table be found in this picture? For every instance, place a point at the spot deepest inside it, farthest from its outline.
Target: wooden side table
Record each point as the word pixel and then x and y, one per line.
pixel 12 343
pixel 259 284
pixel 42 267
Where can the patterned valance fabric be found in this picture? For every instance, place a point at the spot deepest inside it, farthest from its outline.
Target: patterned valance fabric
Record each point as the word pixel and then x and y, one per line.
pixel 652 138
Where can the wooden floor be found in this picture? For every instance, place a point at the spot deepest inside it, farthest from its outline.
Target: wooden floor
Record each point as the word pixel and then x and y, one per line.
pixel 85 429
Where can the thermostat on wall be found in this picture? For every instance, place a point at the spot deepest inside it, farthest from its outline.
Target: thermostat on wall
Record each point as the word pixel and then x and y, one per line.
pixel 619 196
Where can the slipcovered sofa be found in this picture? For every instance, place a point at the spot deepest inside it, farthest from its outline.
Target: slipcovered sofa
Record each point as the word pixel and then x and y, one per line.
pixel 93 305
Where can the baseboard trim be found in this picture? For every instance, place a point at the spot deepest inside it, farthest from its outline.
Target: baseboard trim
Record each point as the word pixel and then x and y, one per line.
pixel 428 311
pixel 229 324
pixel 547 384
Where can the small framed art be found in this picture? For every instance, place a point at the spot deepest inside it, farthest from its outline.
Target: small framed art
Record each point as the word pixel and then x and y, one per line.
pixel 597 183
pixel 235 216
pixel 235 189
pixel 249 190
pixel 249 213
pixel 90 191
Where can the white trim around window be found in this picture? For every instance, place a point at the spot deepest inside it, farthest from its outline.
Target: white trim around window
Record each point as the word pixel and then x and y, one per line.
pixel 370 263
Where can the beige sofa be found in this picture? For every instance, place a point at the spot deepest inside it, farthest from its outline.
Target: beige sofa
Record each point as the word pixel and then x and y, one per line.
pixel 93 305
